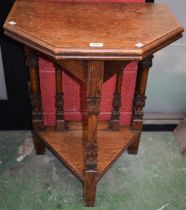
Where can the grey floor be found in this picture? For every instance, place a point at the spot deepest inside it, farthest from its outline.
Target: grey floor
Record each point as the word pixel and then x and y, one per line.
pixel 155 179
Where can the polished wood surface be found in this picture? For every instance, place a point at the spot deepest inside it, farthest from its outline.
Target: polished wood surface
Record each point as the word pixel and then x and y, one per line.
pixel 139 97
pixel 92 42
pixel 139 100
pixel 88 31
pixel 94 91
pixel 68 146
pixel 76 68
pixel 113 67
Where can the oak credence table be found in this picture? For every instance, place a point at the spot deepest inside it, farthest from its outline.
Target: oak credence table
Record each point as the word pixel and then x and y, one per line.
pixel 92 42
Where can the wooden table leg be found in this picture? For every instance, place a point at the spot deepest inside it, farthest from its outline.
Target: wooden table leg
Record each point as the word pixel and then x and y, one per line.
pixel 94 89
pixel 60 121
pixel 114 123
pixel 35 97
pixel 139 100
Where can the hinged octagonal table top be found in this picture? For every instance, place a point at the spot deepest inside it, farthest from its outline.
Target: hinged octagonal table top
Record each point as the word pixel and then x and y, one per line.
pixel 93 30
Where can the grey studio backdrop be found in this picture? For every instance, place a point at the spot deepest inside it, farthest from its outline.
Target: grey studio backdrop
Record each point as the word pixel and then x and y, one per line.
pixel 166 90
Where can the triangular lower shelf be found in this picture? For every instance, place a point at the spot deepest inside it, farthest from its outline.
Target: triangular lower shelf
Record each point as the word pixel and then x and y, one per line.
pixel 68 147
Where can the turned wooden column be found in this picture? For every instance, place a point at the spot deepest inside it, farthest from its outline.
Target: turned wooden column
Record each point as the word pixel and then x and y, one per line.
pixel 139 100
pixel 94 89
pixel 60 121
pixel 34 87
pixel 116 104
pixel 35 97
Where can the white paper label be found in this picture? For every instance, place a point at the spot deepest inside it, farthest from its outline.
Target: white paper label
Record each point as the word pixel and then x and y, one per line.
pixel 139 44
pixel 12 23
pixel 96 44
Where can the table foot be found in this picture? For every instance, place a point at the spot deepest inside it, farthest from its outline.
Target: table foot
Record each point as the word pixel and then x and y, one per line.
pixel 39 146
pixel 90 189
pixel 134 146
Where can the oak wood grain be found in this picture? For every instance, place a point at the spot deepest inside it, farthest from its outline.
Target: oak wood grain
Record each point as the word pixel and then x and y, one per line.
pixel 113 67
pixel 67 34
pixel 68 146
pixel 76 68
pixel 94 91
pixel 139 100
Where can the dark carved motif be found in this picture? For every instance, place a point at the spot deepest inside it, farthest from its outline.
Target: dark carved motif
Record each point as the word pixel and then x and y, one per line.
pixel 116 107
pixel 36 102
pixel 139 100
pixel 37 118
pixel 114 123
pixel 139 103
pixel 59 101
pixel 91 157
pixel 93 105
pixel 59 106
pixel 117 102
